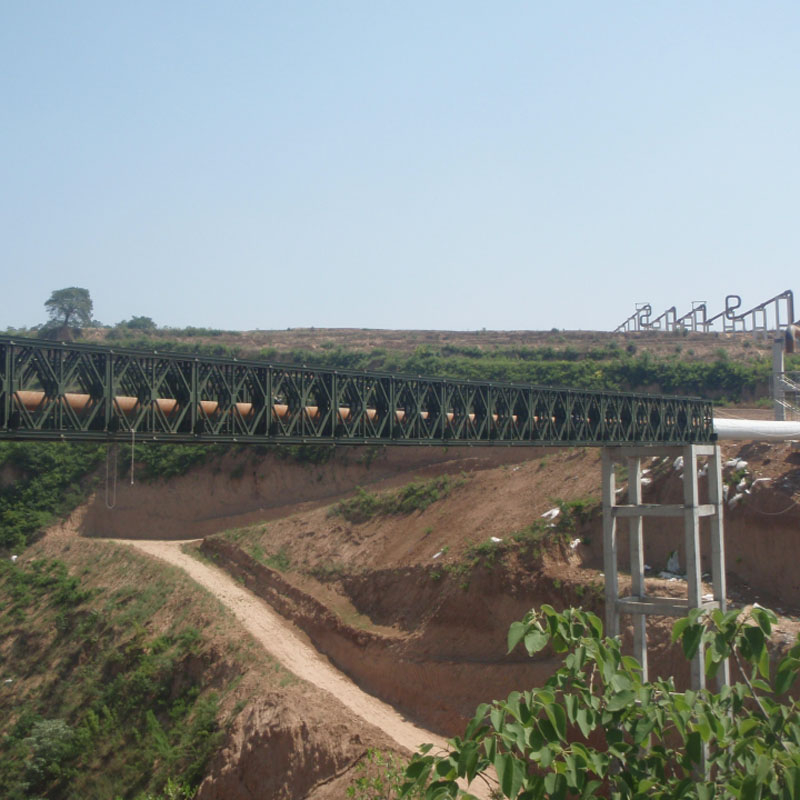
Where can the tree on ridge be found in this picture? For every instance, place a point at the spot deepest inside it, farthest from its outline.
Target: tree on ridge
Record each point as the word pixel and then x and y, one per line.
pixel 70 309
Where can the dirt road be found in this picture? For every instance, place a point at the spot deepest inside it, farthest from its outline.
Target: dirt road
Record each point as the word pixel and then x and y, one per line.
pixel 281 641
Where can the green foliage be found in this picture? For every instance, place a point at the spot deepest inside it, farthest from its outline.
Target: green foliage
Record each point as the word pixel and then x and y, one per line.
pixel 41 579
pixel 120 696
pixel 163 339
pixel 52 745
pixel 305 453
pixel 328 571
pixel 608 367
pixel 575 512
pixel 604 367
pixel 280 561
pixel 163 461
pixel 530 537
pixel 50 483
pixel 487 552
pixel 379 776
pixel 137 324
pixel 70 308
pixel 416 496
pixel 173 790
pixel 597 729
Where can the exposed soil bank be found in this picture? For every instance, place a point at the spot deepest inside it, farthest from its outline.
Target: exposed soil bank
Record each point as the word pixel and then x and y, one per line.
pixel 399 601
pixel 439 675
pixel 284 737
pixel 762 527
pixel 277 750
pixel 242 488
pixel 305 736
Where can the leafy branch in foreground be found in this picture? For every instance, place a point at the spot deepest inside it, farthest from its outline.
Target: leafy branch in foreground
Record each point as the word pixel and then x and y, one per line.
pixel 597 729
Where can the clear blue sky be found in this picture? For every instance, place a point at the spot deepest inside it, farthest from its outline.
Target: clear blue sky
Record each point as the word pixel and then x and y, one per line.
pixel 519 165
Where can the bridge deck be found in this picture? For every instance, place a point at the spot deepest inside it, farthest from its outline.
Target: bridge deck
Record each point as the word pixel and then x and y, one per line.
pixel 90 393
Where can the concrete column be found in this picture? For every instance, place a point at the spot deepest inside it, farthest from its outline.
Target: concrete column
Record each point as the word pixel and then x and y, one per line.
pixel 610 545
pixel 635 528
pixel 718 579
pixel 691 527
pixel 639 604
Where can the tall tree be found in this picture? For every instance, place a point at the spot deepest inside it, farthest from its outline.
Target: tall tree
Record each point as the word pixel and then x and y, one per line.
pixel 69 308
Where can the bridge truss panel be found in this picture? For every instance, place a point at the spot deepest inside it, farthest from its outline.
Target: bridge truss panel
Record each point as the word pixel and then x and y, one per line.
pixel 83 392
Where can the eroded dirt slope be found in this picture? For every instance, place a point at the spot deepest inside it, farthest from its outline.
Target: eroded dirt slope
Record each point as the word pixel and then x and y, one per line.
pixel 283 737
pixel 416 606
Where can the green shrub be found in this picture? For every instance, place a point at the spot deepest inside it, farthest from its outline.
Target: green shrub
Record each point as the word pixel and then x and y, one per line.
pixel 575 512
pixel 416 496
pixel 486 552
pixel 378 776
pixel 167 460
pixel 119 694
pixel 597 729
pixel 280 561
pixel 607 367
pixel 51 482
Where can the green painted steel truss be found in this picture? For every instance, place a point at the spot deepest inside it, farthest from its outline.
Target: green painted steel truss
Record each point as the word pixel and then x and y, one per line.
pixel 85 392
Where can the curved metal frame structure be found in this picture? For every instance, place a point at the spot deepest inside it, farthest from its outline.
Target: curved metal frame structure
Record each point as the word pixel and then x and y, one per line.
pixel 756 319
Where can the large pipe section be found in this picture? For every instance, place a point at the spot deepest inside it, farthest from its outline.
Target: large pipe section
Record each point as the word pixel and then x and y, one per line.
pixel 169 406
pixel 738 429
pixel 757 429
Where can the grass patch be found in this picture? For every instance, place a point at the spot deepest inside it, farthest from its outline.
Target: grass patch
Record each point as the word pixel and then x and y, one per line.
pixel 329 571
pixel 486 553
pixel 416 496
pixel 113 710
pixel 574 513
pixel 280 561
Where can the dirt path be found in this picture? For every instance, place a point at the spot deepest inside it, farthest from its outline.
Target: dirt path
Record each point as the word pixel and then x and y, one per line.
pixel 280 640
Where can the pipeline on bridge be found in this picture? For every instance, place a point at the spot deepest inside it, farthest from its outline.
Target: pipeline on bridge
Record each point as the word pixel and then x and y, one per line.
pixel 86 392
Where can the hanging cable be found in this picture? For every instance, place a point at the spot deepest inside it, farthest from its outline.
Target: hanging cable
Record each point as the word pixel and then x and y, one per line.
pixel 113 502
pixel 772 513
pixel 133 446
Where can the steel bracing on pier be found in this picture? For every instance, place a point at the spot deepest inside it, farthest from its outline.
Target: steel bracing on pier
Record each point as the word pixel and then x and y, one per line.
pixel 90 393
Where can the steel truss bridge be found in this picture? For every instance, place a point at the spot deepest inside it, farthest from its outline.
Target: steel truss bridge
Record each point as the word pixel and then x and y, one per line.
pixel 53 391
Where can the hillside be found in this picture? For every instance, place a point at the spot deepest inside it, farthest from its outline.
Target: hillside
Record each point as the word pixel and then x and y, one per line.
pixel 728 368
pixel 386 560
pixel 121 678
pixel 695 346
pixel 405 571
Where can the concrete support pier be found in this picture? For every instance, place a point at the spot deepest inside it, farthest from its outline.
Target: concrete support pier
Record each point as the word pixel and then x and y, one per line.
pixel 638 603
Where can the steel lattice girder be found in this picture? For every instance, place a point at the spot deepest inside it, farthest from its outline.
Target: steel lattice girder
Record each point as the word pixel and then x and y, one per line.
pixel 85 392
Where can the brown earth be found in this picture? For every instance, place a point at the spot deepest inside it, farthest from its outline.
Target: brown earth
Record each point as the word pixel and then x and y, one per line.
pixel 693 346
pixel 415 607
pixel 287 737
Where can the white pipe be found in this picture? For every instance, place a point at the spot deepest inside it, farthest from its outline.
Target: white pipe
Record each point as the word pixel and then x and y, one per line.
pixel 760 429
